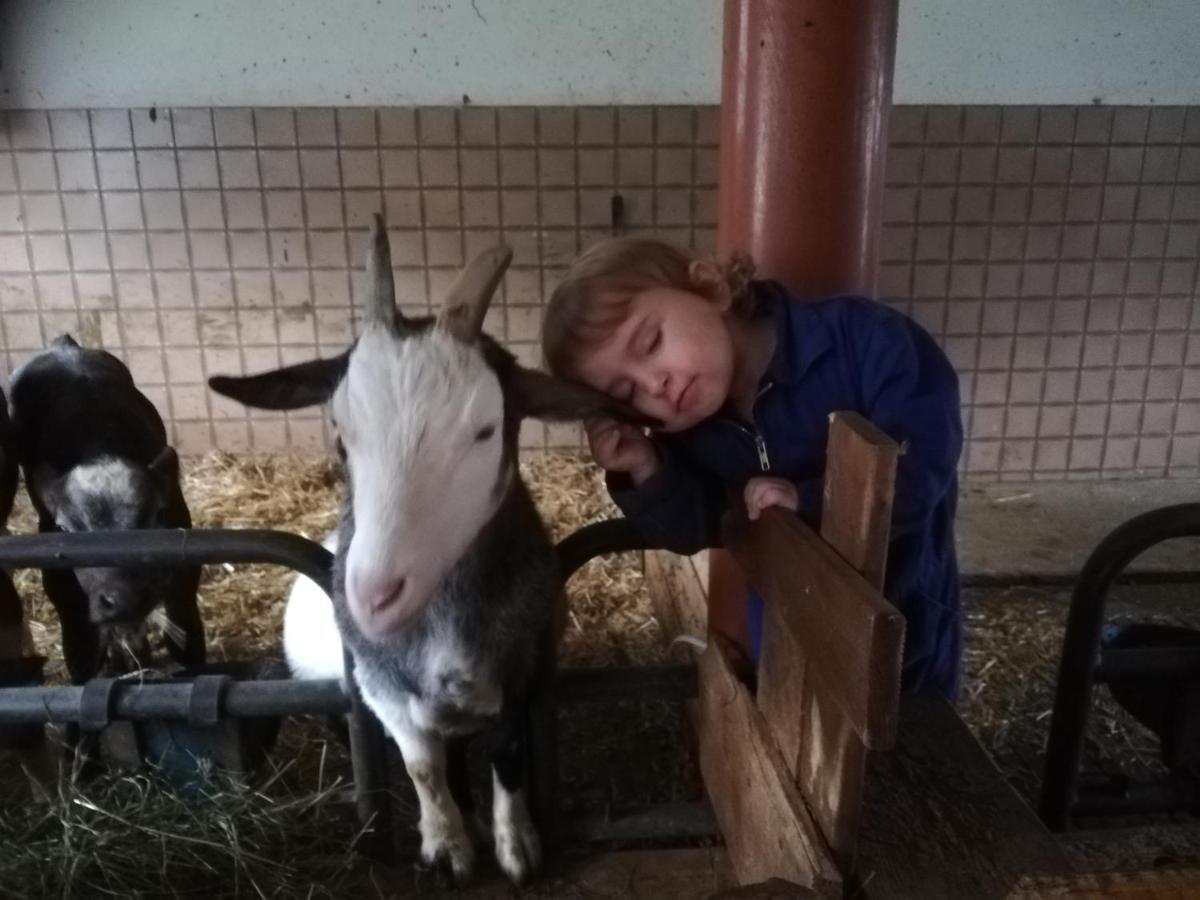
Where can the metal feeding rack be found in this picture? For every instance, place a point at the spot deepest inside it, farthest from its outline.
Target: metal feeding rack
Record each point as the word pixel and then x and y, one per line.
pixel 206 700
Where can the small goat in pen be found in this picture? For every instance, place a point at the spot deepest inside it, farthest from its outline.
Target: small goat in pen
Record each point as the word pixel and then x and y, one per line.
pixel 445 578
pixel 95 455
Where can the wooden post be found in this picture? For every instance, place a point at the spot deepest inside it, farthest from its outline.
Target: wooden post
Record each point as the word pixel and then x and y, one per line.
pixel 785 773
pixel 768 830
pixel 829 674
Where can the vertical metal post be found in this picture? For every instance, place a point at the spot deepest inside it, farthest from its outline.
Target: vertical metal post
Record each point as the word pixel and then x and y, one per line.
pixel 368 757
pixel 541 755
pixel 806 90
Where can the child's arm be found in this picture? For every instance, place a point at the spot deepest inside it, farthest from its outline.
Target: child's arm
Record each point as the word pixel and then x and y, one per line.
pixel 656 489
pixel 911 393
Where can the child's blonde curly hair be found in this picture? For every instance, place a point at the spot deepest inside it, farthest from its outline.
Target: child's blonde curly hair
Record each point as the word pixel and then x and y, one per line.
pixel 593 298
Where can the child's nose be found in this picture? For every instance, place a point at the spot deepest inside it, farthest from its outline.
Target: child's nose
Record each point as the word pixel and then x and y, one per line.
pixel 657 386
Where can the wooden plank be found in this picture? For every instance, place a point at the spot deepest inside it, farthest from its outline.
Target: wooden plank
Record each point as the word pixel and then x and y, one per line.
pixel 1159 884
pixel 828 615
pixel 939 819
pixel 767 828
pixel 667 874
pixel 856 514
pixel 832 774
pixel 675 590
pixel 856 510
pixel 769 831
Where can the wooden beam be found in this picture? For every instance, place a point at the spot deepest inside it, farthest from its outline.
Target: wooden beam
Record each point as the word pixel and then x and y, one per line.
pixel 767 828
pixel 829 678
pixel 856 509
pixel 664 874
pixel 824 612
pixel 1150 884
pixel 940 821
pixel 678 597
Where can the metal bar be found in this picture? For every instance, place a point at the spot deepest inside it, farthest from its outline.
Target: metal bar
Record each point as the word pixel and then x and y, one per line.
pixel 167 547
pixel 598 539
pixel 640 683
pixel 1144 577
pixel 256 699
pixel 1136 798
pixel 1120 662
pixel 665 821
pixel 271 698
pixel 368 757
pixel 137 702
pixel 541 744
pixel 1081 647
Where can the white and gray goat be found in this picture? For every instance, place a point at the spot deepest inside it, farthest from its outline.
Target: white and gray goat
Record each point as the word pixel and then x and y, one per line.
pixel 445 579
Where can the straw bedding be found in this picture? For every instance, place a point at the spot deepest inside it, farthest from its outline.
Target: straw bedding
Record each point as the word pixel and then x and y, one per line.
pixel 287 834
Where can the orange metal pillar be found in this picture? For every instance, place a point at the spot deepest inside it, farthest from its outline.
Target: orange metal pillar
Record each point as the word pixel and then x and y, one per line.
pixel 806 87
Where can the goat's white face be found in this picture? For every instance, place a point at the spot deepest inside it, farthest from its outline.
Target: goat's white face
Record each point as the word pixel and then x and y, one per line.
pixel 421 418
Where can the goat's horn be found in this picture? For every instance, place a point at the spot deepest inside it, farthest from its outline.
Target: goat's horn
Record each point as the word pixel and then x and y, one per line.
pixel 379 289
pixel 467 300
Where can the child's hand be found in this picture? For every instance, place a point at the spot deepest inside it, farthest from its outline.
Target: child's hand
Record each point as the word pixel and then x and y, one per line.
pixel 617 447
pixel 763 492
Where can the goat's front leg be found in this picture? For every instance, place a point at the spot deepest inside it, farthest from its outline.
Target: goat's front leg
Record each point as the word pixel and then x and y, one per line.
pixel 444 837
pixel 518 848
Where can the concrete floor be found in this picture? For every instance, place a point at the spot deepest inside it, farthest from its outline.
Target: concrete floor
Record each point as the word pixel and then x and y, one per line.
pixel 1048 529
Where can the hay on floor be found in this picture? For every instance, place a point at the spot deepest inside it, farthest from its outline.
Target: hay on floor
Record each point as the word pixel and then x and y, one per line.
pixel 126 833
pixel 122 833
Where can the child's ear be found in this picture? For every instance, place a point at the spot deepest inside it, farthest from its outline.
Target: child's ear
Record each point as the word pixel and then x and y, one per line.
pixel 540 396
pixel 706 277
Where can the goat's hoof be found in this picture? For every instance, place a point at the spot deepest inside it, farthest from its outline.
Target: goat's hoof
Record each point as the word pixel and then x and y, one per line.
pixel 519 852
pixel 451 853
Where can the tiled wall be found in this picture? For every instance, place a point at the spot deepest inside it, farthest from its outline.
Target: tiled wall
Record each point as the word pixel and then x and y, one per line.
pixel 1053 251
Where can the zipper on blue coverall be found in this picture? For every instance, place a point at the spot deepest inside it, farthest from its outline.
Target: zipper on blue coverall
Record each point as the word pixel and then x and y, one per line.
pixel 760 443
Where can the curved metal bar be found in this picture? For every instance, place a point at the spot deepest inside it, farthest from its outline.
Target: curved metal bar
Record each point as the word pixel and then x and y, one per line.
pixel 597 539
pixel 208 546
pixel 1081 647
pixel 167 547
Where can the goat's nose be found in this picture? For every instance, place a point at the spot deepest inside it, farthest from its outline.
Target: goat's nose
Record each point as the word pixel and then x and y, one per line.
pixel 106 605
pixel 379 594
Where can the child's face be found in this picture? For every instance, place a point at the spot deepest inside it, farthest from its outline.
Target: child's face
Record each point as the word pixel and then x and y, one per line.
pixel 672 358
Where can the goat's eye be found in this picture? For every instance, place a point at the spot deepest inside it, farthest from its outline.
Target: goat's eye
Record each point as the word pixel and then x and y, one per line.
pixel 484 433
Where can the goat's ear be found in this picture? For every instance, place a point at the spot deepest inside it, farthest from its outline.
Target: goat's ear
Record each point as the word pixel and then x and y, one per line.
pixel 165 468
pixel 466 303
pixel 540 396
pixel 292 387
pixel 47 486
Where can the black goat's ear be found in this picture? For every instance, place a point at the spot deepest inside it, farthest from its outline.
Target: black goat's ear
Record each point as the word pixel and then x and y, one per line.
pixel 47 486
pixel 165 467
pixel 538 395
pixel 292 387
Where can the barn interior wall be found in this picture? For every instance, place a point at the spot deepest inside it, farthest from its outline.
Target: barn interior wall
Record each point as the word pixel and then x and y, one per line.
pixel 1052 250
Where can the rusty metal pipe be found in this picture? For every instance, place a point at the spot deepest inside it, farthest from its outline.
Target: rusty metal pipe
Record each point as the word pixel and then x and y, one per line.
pixel 806 90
